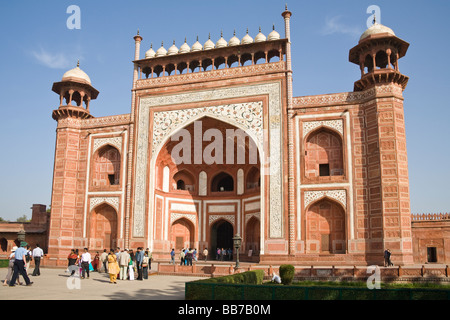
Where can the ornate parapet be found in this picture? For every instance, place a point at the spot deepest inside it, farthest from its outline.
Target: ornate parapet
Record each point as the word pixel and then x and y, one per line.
pixel 344 98
pixel 219 74
pixel 430 216
pixel 100 122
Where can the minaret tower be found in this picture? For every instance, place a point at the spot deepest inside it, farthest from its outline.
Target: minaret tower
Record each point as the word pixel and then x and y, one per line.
pixel 75 92
pixel 383 128
pixel 70 169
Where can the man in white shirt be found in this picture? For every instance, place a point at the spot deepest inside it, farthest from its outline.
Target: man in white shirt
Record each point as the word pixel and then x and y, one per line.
pixel 37 255
pixel 124 259
pixel 85 261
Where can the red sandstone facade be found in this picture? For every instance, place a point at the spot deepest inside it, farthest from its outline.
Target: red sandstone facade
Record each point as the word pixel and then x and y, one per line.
pixel 328 184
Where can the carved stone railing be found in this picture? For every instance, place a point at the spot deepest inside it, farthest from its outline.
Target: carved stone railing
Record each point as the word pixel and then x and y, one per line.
pixel 430 216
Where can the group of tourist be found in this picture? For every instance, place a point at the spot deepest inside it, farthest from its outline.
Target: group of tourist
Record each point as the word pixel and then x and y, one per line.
pixel 224 254
pixel 189 255
pixel 121 264
pixel 19 264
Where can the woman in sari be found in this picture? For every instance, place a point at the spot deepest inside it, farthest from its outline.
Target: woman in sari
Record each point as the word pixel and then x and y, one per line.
pixel 73 257
pixel 113 267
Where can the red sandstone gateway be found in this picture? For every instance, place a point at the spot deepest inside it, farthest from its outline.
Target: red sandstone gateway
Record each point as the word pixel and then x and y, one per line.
pixel 329 185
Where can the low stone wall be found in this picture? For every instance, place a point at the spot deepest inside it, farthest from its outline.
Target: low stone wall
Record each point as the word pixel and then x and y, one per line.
pixel 438 273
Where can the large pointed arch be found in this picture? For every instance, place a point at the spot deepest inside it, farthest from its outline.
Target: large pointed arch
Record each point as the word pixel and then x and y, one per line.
pixel 103 227
pixel 182 233
pixel 326 227
pixel 196 170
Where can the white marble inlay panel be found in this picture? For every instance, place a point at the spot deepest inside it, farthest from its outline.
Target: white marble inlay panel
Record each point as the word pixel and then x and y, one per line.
pixel 176 206
pixel 219 208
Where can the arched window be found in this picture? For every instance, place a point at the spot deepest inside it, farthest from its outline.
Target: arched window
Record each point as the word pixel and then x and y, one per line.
pixel 259 57
pixel 246 59
pixel 324 154
pixel 368 64
pixel 381 59
pixel 106 167
pixel 183 180
pixel 273 56
pixel 222 182
pixel 76 97
pixel 253 178
pixel 219 63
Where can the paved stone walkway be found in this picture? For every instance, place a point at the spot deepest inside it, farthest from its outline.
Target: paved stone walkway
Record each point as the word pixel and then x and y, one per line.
pixel 54 284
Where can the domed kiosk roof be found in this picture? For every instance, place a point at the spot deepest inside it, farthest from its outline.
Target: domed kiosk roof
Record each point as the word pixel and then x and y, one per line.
pixel 76 74
pixel 376 28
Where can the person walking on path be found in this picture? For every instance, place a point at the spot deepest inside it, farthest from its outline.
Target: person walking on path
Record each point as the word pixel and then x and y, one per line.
pixel 205 254
pixel 73 257
pixel 172 257
pixel 28 259
pixel 182 257
pixel 130 269
pixel 104 260
pixel 218 254
pixel 113 267
pixel 85 261
pixel 195 255
pixel 124 259
pixel 139 259
pixel 188 256
pixel 19 265
pixel 150 258
pixel 11 267
pixel 387 256
pixel 37 256
pixel 96 262
pixel 145 264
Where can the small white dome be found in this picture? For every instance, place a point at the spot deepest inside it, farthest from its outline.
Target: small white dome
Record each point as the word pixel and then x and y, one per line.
pixel 76 74
pixel 172 50
pixel 197 46
pixel 150 53
pixel 184 47
pixel 221 42
pixel 376 28
pixel 273 35
pixel 161 51
pixel 260 37
pixel 234 41
pixel 247 39
pixel 209 44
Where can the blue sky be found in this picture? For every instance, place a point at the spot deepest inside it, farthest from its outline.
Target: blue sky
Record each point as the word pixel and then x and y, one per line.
pixel 37 48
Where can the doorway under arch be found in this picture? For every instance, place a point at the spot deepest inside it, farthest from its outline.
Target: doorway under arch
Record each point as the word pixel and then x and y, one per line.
pixel 253 235
pixel 103 227
pixel 182 234
pixel 325 227
pixel 221 236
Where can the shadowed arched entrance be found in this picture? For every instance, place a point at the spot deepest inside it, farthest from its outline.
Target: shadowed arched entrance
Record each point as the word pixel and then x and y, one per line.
pixel 221 236
pixel 200 164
